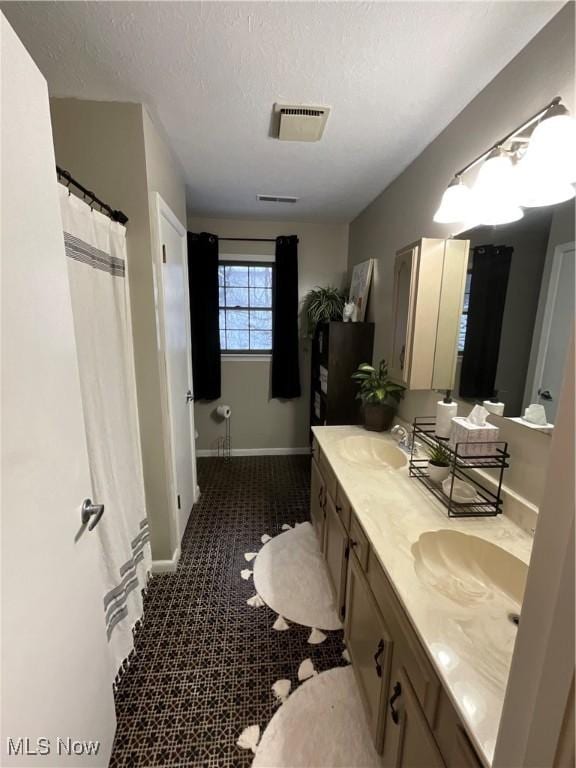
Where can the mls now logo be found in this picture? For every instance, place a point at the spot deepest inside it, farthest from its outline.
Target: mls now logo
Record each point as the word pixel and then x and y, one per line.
pixel 43 746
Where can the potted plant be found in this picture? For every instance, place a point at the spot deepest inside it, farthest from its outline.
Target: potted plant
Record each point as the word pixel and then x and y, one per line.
pixel 379 394
pixel 439 460
pixel 322 305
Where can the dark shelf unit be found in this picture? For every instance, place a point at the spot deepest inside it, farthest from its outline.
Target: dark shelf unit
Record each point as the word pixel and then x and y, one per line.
pixel 339 348
pixel 487 503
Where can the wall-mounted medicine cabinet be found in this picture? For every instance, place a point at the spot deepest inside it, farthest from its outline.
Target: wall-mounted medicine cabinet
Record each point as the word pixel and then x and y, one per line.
pixel 429 281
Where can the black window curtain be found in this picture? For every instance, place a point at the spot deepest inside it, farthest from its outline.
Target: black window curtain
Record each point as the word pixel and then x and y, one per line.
pixel 490 271
pixel 203 287
pixel 285 360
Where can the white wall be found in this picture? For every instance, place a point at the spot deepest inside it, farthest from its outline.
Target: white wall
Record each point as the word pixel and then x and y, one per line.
pixel 404 211
pixel 116 150
pixel 259 422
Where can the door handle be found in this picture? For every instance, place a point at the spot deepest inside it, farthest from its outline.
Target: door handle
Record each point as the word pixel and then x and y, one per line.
pixel 397 692
pixel 377 656
pixel 189 396
pixel 545 394
pixel 89 510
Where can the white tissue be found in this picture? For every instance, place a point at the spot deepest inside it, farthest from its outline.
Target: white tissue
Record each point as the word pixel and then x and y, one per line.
pixel 477 416
pixel 536 414
pixel 496 408
pixel 224 411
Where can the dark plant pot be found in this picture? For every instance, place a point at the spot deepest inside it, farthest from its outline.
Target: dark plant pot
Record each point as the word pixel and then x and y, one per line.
pixel 378 416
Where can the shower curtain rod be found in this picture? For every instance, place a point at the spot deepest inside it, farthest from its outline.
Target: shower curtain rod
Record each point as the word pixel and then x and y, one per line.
pixel 90 197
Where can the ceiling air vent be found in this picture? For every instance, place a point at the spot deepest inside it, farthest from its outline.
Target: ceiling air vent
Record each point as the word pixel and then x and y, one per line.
pixel 276 199
pixel 297 122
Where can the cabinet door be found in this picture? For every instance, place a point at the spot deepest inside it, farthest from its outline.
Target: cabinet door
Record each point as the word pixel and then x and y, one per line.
pixel 336 552
pixel 369 646
pixel 409 742
pixel 317 501
pixel 405 270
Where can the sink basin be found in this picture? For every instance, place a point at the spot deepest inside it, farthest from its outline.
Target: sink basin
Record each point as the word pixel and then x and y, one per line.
pixel 371 452
pixel 469 570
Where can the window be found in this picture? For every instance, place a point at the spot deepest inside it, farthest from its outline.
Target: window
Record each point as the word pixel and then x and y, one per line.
pixel 245 307
pixel 464 315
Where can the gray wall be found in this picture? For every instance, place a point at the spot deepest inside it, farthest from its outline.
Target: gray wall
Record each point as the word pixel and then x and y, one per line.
pixel 259 422
pixel 114 149
pixel 404 211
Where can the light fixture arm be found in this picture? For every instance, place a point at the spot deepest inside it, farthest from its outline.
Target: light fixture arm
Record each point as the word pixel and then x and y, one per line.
pixel 517 131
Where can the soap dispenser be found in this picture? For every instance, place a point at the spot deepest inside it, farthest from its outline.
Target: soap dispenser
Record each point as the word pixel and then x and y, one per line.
pixel 446 409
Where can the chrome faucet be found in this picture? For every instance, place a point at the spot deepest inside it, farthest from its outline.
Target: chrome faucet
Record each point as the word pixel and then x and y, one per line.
pixel 406 437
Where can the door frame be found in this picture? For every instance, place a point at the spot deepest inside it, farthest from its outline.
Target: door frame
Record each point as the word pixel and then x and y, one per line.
pixel 560 252
pixel 162 210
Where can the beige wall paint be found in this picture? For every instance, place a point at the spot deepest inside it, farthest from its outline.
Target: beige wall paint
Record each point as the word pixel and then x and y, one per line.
pixel 114 149
pixel 259 422
pixel 404 211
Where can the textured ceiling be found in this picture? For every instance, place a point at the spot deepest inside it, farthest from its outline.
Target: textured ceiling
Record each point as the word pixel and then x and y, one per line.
pixel 394 73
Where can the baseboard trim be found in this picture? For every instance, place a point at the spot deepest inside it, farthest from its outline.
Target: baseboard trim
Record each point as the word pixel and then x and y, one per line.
pixel 206 452
pixel 166 566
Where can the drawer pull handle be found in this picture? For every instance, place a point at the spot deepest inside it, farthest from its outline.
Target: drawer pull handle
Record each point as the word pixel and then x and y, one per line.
pixel 396 695
pixel 338 508
pixel 377 657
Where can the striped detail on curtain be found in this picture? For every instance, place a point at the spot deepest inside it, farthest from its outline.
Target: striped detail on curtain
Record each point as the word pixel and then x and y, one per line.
pixel 115 608
pixel 80 251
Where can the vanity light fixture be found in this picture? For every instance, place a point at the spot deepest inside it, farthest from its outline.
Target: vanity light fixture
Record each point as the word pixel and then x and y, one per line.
pixel 456 203
pixel 495 193
pixel 519 170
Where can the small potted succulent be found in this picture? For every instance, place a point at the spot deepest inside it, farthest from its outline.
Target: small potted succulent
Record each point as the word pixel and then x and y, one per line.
pixel 379 394
pixel 439 460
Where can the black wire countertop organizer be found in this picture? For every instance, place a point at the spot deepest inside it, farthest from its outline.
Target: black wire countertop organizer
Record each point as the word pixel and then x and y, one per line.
pixel 462 467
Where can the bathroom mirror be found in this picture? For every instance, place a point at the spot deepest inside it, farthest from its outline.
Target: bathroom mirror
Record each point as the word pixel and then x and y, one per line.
pixel 518 311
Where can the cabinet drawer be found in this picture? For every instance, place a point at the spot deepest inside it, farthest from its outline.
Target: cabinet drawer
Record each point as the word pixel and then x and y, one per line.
pixel 343 508
pixel 359 542
pixel 412 656
pixel 329 477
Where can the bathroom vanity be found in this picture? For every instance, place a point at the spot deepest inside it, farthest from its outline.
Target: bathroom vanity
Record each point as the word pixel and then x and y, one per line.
pixel 429 603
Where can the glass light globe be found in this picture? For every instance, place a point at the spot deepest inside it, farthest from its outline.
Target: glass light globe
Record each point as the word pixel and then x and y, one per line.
pixel 455 205
pixel 553 145
pixel 537 186
pixel 495 192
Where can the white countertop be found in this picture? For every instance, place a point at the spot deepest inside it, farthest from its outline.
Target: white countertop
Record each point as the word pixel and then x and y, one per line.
pixel 470 645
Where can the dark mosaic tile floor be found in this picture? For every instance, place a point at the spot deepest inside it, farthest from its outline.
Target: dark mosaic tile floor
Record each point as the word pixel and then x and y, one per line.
pixel 205 661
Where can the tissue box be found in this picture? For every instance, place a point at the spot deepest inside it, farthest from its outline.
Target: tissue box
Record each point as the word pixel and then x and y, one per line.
pixel 473 436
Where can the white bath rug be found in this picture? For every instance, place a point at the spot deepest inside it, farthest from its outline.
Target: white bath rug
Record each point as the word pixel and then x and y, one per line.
pixel 255 601
pixel 281 689
pixel 265 538
pixel 306 670
pixel 281 624
pixel 250 555
pixel 321 723
pixel 286 527
pixel 245 573
pixel 290 574
pixel 346 655
pixel 316 637
pixel 249 738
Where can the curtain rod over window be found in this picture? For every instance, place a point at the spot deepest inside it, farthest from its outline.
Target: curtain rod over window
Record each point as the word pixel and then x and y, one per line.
pixel 248 239
pixel 90 197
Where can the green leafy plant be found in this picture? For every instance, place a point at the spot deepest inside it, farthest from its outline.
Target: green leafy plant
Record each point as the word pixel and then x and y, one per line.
pixel 439 455
pixel 375 384
pixel 322 305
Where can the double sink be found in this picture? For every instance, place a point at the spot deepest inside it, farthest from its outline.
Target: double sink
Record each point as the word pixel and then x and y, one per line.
pixel 466 569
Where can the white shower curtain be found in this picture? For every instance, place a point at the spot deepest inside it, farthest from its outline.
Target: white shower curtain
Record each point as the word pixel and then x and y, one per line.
pixel 96 257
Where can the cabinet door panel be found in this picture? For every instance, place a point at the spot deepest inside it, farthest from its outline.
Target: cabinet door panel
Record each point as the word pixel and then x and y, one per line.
pixel 369 646
pixel 405 268
pixel 317 499
pixel 336 552
pixel 409 741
